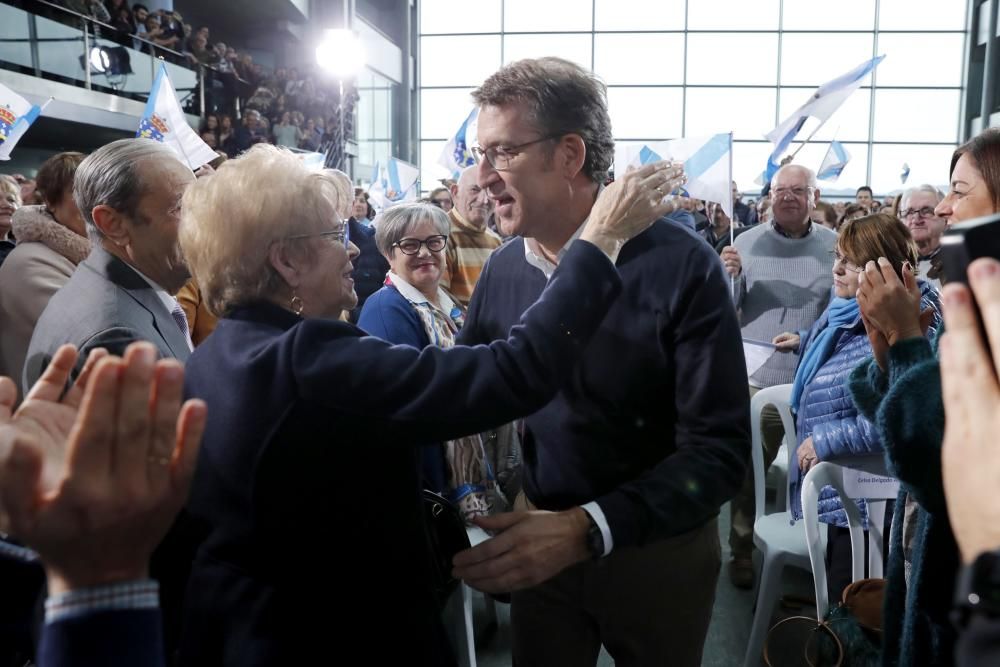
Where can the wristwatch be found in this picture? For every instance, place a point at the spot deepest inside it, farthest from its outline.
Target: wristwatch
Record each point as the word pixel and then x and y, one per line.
pixel 978 588
pixel 595 538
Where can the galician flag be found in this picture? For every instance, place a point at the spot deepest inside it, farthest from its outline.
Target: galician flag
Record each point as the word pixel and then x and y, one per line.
pixel 834 162
pixel 456 155
pixel 821 105
pixel 394 183
pixel 164 121
pixel 16 116
pixel 707 164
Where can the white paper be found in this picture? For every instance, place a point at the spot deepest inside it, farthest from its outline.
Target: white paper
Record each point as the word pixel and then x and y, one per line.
pixel 757 353
pixel 859 484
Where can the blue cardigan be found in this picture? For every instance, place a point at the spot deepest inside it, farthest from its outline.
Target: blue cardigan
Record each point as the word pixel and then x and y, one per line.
pixel 389 316
pixel 827 412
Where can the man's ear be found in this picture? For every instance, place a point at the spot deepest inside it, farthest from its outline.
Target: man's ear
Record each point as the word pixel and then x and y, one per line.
pixel 571 153
pixel 283 262
pixel 816 194
pixel 112 225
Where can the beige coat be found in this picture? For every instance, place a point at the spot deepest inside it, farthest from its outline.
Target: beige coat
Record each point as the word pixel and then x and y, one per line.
pixel 45 257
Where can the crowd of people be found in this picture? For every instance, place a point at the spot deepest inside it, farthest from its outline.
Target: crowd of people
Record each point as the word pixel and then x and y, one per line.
pixel 236 383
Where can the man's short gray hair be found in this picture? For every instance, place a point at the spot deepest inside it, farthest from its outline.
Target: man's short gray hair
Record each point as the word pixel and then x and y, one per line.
pixel 111 176
pixel 929 189
pixel 395 223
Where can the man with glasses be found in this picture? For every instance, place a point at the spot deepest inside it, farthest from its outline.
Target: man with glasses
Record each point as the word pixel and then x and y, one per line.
pixel 916 210
pixel 783 281
pixel 614 539
pixel 470 242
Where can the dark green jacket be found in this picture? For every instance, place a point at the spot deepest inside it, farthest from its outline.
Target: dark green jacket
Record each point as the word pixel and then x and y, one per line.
pixel 906 406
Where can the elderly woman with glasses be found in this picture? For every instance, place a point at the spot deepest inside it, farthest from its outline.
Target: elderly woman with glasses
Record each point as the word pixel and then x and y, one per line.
pixel 828 425
pixel 413 309
pixel 307 482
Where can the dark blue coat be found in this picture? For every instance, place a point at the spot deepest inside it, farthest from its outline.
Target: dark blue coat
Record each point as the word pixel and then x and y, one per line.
pixel 307 476
pixel 122 638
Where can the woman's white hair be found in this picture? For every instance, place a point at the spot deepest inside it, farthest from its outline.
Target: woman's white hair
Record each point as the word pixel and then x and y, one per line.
pixel 230 220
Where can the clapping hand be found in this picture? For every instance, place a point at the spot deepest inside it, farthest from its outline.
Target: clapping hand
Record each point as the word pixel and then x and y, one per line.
pixel 91 478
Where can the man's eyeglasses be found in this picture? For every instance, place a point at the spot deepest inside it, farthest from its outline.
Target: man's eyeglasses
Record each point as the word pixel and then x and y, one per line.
pixel 846 263
pixel 798 193
pixel 342 235
pixel 412 246
pixel 500 157
pixel 925 212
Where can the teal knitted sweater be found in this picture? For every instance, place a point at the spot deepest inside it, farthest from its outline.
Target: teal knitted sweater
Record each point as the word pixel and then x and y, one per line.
pixel 906 406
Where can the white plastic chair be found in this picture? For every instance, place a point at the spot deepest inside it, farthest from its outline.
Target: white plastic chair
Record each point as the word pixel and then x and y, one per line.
pixel 780 541
pixel 463 621
pixel 831 474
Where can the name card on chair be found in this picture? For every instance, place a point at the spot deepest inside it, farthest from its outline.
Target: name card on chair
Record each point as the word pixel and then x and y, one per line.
pixel 860 484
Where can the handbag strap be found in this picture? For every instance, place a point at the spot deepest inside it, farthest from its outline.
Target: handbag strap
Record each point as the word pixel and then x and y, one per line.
pixel 818 626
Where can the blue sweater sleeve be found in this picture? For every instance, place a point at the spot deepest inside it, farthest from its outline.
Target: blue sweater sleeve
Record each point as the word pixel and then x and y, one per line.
pixel 387 315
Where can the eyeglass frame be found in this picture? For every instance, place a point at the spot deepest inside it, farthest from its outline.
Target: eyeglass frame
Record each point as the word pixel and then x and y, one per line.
pixel 479 154
pixel 919 212
pixel 843 261
pixel 342 235
pixel 781 192
pixel 421 243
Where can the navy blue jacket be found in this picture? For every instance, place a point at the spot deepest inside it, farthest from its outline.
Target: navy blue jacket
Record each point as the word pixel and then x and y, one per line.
pixel 307 475
pixel 124 638
pixel 655 423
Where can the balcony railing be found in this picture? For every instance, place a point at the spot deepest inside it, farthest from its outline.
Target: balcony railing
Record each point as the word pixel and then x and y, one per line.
pixel 50 41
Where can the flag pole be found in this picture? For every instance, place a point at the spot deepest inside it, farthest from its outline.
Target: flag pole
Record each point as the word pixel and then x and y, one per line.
pixel 732 215
pixel 811 135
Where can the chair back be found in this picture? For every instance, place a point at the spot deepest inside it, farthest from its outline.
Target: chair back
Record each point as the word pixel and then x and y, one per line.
pixel 780 397
pixel 850 484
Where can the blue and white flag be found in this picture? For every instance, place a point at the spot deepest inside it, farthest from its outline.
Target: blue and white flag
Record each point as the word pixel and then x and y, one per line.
pixel 821 105
pixel 456 155
pixel 707 164
pixel 905 174
pixel 164 121
pixel 834 161
pixel 394 183
pixel 16 116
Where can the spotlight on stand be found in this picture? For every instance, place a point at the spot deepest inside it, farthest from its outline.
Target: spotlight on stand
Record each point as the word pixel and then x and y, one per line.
pixel 111 61
pixel 340 53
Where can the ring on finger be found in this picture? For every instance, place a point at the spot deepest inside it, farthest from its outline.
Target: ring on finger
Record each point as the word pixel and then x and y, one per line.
pixel 658 189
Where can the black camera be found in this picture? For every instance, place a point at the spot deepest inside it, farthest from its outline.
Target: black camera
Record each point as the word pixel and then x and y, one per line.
pixel 966 242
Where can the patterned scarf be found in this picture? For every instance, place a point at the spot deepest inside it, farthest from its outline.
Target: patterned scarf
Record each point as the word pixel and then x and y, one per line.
pixel 469 475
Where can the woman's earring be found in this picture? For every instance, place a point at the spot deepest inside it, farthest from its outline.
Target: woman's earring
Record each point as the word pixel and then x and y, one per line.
pixel 296 304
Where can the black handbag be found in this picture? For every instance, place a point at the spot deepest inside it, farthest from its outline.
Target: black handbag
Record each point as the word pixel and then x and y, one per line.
pixel 446 536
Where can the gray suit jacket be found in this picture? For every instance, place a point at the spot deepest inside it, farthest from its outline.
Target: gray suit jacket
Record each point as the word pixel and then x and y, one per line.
pixel 104 304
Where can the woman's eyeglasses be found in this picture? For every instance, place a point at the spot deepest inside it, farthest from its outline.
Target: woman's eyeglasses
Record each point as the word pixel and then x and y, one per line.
pixel 412 246
pixel 342 235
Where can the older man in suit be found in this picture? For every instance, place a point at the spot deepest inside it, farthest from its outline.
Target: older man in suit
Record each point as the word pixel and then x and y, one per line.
pixel 129 194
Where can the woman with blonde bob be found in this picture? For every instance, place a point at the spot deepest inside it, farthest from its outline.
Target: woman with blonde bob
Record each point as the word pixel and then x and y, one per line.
pixel 307 480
